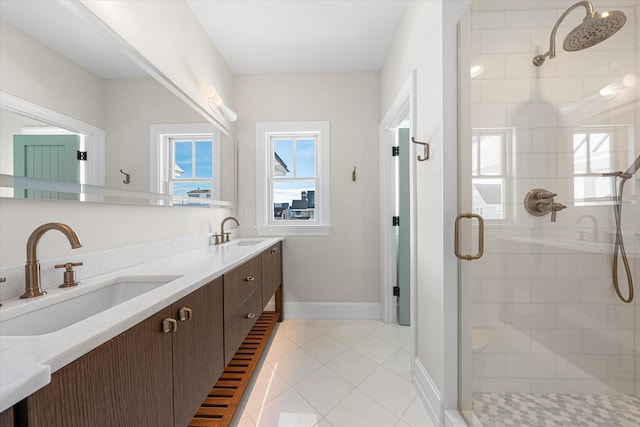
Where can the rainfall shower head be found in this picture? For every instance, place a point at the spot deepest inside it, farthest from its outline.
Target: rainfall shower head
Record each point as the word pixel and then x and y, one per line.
pixel 595 27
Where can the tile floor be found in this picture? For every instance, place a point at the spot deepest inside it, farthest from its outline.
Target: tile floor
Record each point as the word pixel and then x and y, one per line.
pixel 556 410
pixel 335 373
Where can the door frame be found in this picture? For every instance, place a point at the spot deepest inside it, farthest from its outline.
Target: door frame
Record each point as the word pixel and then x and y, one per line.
pixel 403 106
pixel 93 140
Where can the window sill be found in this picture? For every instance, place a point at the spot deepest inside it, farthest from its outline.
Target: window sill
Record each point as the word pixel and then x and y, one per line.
pixel 293 230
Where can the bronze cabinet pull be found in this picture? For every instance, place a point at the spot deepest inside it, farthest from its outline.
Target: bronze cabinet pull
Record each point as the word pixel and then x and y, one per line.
pixel 184 314
pixel 169 325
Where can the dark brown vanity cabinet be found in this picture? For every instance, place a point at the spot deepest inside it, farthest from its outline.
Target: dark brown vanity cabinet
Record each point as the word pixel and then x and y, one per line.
pixel 242 304
pixel 155 374
pixel 6 418
pixel 272 276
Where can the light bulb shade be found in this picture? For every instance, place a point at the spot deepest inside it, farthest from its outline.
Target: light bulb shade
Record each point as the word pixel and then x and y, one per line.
pixel 211 91
pixel 229 114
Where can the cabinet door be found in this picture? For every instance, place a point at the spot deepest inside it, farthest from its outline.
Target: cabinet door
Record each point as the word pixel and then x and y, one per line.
pixel 271 272
pixel 6 418
pixel 238 325
pixel 239 283
pixel 125 382
pixel 198 355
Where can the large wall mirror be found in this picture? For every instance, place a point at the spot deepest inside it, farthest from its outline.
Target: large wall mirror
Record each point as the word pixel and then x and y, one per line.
pixel 80 120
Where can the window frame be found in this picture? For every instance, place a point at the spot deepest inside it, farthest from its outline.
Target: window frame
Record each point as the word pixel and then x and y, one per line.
pixel 265 225
pixel 161 158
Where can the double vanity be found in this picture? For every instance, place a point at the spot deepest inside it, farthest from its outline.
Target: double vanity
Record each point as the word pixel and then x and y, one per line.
pixel 139 346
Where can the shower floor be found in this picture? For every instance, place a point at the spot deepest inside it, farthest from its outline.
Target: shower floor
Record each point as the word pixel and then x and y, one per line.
pixel 556 410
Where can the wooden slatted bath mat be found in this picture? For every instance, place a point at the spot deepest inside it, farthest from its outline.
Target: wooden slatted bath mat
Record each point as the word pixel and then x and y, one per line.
pixel 223 400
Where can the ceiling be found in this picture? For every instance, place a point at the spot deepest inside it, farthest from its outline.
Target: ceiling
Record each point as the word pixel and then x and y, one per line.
pixel 293 36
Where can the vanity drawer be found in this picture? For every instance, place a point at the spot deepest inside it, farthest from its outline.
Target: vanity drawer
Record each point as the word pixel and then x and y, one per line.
pixel 240 283
pixel 238 325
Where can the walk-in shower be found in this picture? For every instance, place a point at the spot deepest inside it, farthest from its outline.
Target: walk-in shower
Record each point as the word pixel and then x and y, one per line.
pixel 545 338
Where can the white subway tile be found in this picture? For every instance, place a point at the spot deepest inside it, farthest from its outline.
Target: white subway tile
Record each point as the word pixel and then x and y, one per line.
pixel 534 115
pixel 564 290
pixel 582 63
pixel 505 291
pixel 520 65
pixel 506 91
pixel 583 113
pixel 530 315
pixel 620 316
pixel 505 40
pixel 622 62
pixel 607 341
pixel 507 385
pixel 507 340
pixel 580 366
pixel 620 367
pixel 488 365
pixel 557 89
pixel 598 291
pixel 551 141
pixel 559 386
pixel 530 365
pixel 487 116
pixel 485 20
pixel 530 266
pixel 610 387
pixel 493 65
pixel 558 341
pixel 488 316
pixel 577 315
pixel 530 18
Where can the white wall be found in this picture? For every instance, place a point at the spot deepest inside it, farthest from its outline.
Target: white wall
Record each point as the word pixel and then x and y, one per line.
pixel 32 71
pixel 426 42
pixel 131 105
pixel 342 267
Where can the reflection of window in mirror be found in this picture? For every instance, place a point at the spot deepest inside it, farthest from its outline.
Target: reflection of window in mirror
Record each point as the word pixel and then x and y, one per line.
pixel 490 166
pixel 185 162
pixel 597 150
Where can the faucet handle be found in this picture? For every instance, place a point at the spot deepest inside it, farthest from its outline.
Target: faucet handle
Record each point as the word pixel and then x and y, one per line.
pixel 226 236
pixel 69 274
pixel 3 279
pixel 216 237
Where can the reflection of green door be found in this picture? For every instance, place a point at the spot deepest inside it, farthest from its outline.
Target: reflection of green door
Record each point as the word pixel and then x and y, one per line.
pixel 404 264
pixel 49 157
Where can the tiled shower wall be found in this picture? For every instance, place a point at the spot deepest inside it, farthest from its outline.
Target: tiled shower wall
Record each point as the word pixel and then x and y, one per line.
pixel 546 318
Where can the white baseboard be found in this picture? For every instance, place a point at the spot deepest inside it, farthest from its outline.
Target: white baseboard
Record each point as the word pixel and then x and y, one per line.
pixel 429 393
pixel 332 310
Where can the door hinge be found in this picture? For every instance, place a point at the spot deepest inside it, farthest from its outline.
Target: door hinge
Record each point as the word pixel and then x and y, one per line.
pixel 395 151
pixel 82 155
pixel 396 291
pixel 396 221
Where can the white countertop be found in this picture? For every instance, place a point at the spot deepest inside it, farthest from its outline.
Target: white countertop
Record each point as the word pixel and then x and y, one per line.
pixel 27 362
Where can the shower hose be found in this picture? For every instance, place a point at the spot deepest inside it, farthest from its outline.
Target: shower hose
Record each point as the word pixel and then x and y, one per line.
pixel 619 245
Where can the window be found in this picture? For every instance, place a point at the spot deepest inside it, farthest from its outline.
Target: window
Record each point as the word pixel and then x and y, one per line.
pixel 292 178
pixel 190 174
pixel 185 163
pixel 593 155
pixel 489 170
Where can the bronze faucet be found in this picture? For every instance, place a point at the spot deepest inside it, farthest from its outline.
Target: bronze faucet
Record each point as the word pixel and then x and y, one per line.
pixel 32 268
pixel 224 237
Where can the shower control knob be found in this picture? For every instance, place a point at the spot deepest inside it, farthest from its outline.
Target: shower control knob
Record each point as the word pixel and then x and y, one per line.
pixel 544 195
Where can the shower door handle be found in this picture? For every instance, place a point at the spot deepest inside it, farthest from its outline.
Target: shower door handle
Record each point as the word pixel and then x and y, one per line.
pixel 480 236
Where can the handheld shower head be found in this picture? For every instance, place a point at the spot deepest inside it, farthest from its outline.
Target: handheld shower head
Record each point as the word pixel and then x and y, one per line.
pixel 628 174
pixel 634 166
pixel 595 28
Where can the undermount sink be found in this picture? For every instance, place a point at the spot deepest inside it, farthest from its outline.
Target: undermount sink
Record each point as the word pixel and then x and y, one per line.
pixel 247 242
pixel 60 315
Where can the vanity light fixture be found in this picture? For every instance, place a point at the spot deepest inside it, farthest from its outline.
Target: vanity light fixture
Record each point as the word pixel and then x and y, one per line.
pixel 216 104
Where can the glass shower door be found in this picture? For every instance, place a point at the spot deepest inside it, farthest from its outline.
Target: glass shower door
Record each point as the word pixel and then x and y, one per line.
pixel 543 150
